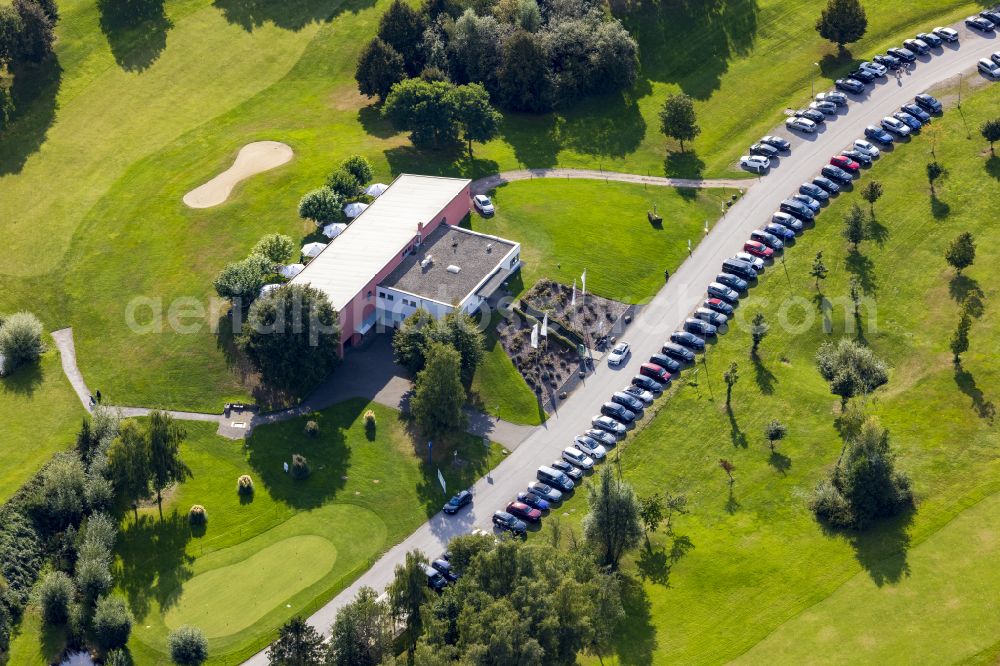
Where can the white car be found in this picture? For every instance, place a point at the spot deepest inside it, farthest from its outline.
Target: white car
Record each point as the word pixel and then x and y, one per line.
pixel 755 163
pixel 591 447
pixel 575 456
pixel 989 68
pixel 838 98
pixel 483 204
pixel 618 354
pixel 801 124
pixel 608 424
pixel 895 126
pixel 758 263
pixel 867 147
pixel 874 68
pixel 947 34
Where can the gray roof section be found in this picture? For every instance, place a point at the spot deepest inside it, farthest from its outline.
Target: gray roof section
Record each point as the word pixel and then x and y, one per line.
pixel 477 255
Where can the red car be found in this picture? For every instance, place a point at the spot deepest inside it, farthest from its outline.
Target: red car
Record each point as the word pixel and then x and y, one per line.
pixel 758 249
pixel 654 371
pixel 524 512
pixel 845 162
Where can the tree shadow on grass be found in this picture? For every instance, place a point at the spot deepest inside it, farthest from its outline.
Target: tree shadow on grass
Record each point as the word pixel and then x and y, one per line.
pixel 374 124
pixel 877 232
pixel 834 65
pixel 635 640
pixel 136 31
pixel 153 562
pixel 34 94
pixel 762 376
pixel 23 381
pixel 607 126
pixel 287 14
pixel 447 161
pixel 984 408
pixel 864 269
pixel 685 164
pixel 939 209
pixel 737 436
pixel 534 139
pixel 52 642
pixel 780 462
pixel 992 166
pixel 654 564
pixel 732 504
pixel 964 289
pixel 461 458
pixel 881 549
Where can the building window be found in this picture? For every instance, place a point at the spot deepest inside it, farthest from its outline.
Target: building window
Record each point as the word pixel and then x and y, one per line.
pixel 381 295
pixel 369 297
pixel 390 297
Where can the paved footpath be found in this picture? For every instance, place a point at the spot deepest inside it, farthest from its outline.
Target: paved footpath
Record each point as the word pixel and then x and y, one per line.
pixel 670 306
pixel 488 183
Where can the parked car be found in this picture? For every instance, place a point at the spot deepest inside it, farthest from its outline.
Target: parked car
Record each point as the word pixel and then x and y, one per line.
pixel 801 124
pixel 867 147
pixel 602 437
pixel 979 23
pixel 838 98
pixel 618 412
pixel 591 446
pixel 796 208
pixel 896 126
pixel 783 145
pixel 443 567
pixel 906 55
pixel 524 512
pixel 678 352
pixel 863 75
pixel 928 103
pixel 989 68
pixel 864 159
pixel 608 424
pixel 507 523
pixel 845 163
pixel 619 353
pixel 788 221
pixel 767 239
pixel 629 402
pixel 888 61
pixel 811 114
pixel 743 269
pixel 991 15
pixel 545 491
pixel 574 473
pixel 875 68
pixel 648 384
pixel 826 184
pixel 995 57
pixel 765 149
pixel 575 456
pixel 784 233
pixel 732 281
pixel 826 108
pixel 947 34
pixel 917 46
pixel 483 204
pixel 435 580
pixel 930 39
pixel 850 85
pixel 646 397
pixel 689 340
pixel 534 500
pixel 756 262
pixel 555 478
pixel 813 190
pixel 656 372
pixel 813 204
pixel 837 174
pixel 754 248
pixel 462 498
pixel 878 135
pixel 714 318
pixel 700 326
pixel 755 163
pixel 665 362
pixel 907 120
pixel 716 290
pixel 718 305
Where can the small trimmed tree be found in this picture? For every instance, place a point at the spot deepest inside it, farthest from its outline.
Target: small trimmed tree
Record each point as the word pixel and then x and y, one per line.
pixel 240 281
pixel 380 67
pixel 872 192
pixel 55 595
pixel 188 646
pixel 678 120
pixel 962 252
pixel 360 168
pixel 934 173
pixel 960 338
pixel 842 22
pixel 438 395
pixel 21 340
pixel 322 206
pixel 112 623
pixel 731 376
pixel 819 270
pixel 614 524
pixel 343 183
pixel 277 248
pixel 854 226
pixel 774 431
pixel 991 132
pixel 651 510
pixel 758 331
pixel 728 467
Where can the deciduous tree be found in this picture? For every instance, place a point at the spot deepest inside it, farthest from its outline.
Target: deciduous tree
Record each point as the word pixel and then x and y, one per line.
pixel 728 467
pixel 774 431
pixel 425 109
pixel 677 118
pixel 164 436
pixel 380 67
pixel 407 592
pixel 960 338
pixel 962 252
pixel 298 644
pixel 438 394
pixel 872 192
pixel 842 22
pixel 850 368
pixel 128 458
pixel 478 119
pixel 20 340
pixel 934 172
pixel 819 270
pixel 322 206
pixel 35 40
pixel 614 524
pixel 277 248
pixel 731 376
pixel 854 226
pixel 991 132
pixel 758 331
pixel 188 646
pixel 524 81
pixel 362 633
pixel 402 28
pixel 241 281
pixel 360 168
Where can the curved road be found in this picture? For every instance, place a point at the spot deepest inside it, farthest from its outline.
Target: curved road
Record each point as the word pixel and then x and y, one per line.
pixel 670 306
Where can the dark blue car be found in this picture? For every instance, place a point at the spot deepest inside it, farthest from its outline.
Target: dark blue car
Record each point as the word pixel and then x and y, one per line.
pixel 781 232
pixel 457 502
pixel 917 112
pixel 533 500
pixel 878 135
pixel 688 340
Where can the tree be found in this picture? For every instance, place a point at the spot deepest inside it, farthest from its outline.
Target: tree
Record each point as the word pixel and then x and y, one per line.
pixel 677 118
pixel 934 172
pixel 850 368
pixel 855 286
pixel 960 339
pixel 819 269
pixel 360 168
pixel 651 510
pixel 842 22
pixel 276 248
pixel 478 119
pixel 614 525
pixel 50 9
pixel 402 28
pixel 728 467
pixel 10 32
pixel 854 226
pixel 362 633
pixel 380 67
pixel 774 431
pixel 20 340
pixel 298 644
pixel 460 331
pixel 322 206
pixel 6 101
pixel 112 623
pixel 674 504
pixel 188 646
pixel 475 45
pixel 523 81
pixel 731 376
pixel 34 43
pixel 128 457
pixel 409 342
pixel 292 337
pixel 615 57
pixel 758 331
pixel 59 500
pixel 343 183
pixel 438 394
pixel 407 592
pixel 240 281
pixel 991 132
pixel 425 109
pixel 871 193
pixel 55 594
pixel 164 436
pixel 962 252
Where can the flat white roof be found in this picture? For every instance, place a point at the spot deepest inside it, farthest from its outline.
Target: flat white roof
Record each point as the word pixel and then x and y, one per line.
pixel 382 231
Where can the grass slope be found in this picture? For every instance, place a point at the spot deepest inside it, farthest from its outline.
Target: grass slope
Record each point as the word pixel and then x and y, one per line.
pixel 749 565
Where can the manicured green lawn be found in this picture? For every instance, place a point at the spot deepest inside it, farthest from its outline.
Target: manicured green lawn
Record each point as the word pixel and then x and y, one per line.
pixel 749 571
pixel 39 415
pixel 499 389
pixel 566 226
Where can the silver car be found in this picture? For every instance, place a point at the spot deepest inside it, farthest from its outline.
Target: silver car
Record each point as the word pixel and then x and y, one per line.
pixel 575 456
pixel 590 446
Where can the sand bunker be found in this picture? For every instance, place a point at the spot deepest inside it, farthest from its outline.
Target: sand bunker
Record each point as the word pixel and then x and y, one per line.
pixel 252 159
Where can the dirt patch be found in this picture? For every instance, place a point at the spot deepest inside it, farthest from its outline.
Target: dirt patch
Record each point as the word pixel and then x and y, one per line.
pixel 347 98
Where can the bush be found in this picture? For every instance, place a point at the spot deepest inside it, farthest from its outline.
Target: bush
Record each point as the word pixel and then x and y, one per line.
pixel 93 576
pixel 241 280
pixel 59 501
pixel 830 506
pixel 197 515
pixel 188 646
pixel 312 429
pixel 322 206
pixel 276 247
pixel 300 467
pixel 370 420
pixel 344 183
pixel 112 623
pixel 118 658
pixel 20 340
pixel 55 594
pixel 244 485
pixel 360 168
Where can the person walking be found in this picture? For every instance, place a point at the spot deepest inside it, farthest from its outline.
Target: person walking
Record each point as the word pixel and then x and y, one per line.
pixel 98 396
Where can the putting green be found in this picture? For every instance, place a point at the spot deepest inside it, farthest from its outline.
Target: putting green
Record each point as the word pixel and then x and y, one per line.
pixel 229 599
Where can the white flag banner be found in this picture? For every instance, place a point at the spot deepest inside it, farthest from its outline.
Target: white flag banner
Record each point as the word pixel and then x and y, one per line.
pixel 583 283
pixel 534 336
pixel 545 325
pixel 444 487
pixel 572 298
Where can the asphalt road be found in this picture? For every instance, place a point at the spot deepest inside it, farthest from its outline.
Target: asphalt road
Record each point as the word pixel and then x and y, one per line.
pixel 684 291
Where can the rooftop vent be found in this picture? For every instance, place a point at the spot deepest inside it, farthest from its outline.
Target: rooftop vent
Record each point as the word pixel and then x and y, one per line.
pixel 489 248
pixel 454 269
pixel 426 261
